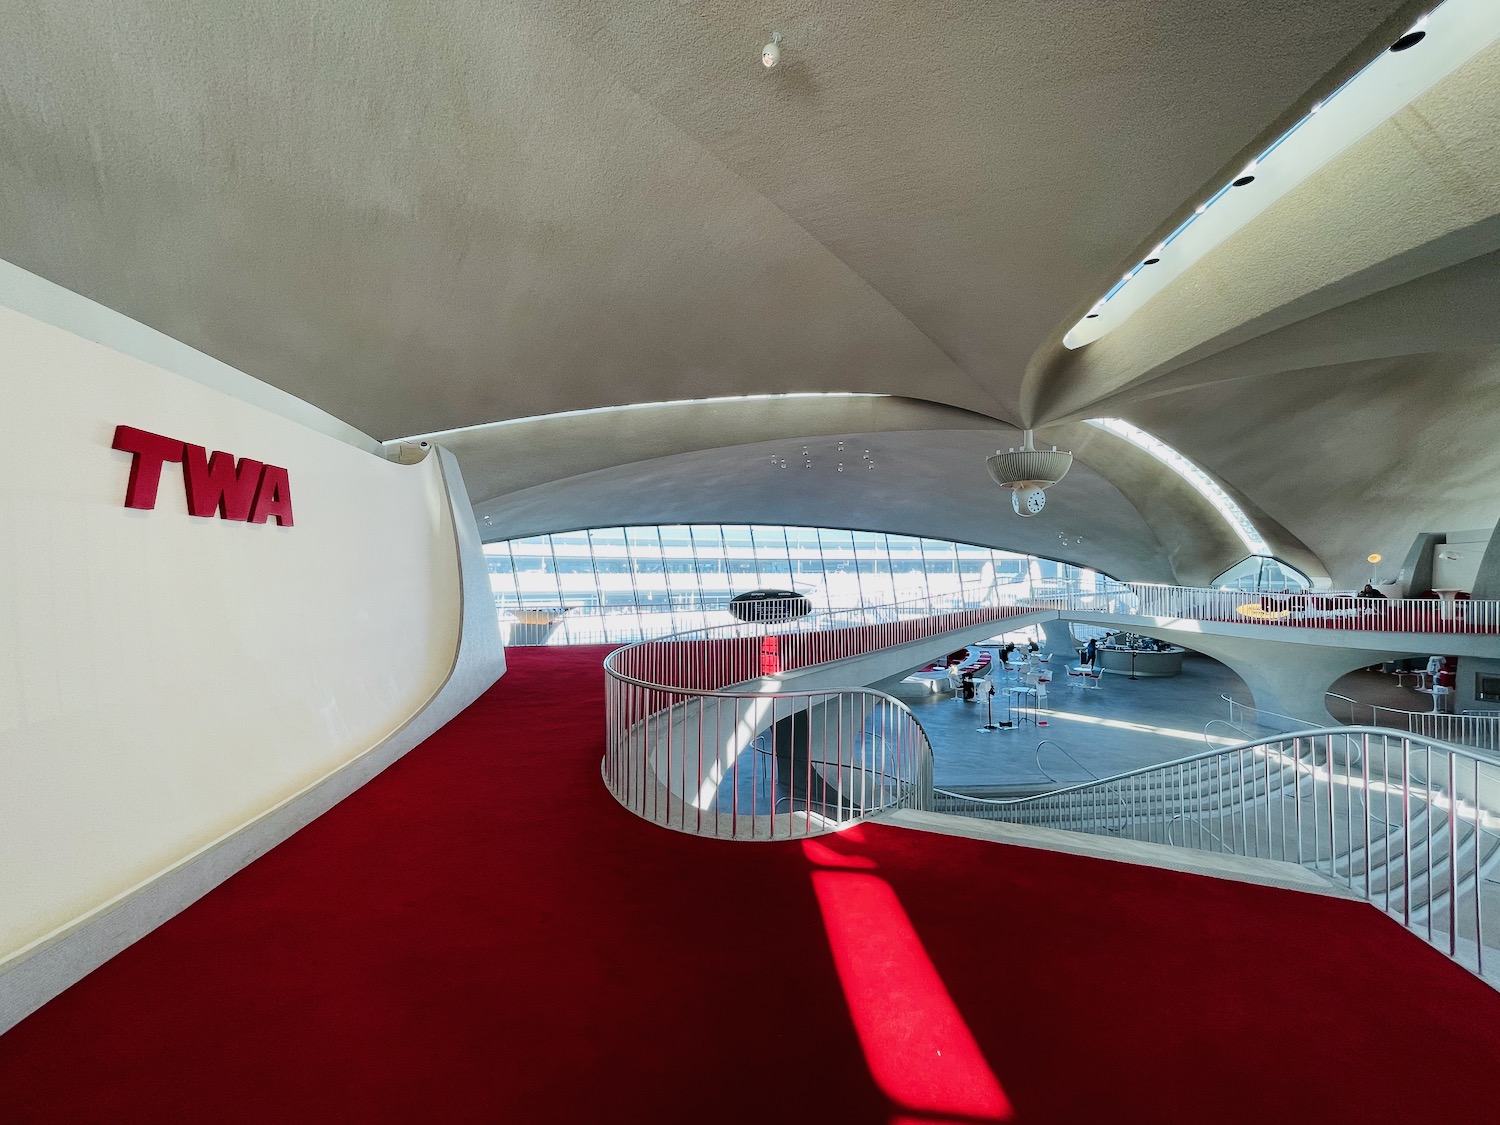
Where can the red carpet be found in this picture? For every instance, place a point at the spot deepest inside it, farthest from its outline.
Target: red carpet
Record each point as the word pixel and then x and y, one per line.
pixel 482 934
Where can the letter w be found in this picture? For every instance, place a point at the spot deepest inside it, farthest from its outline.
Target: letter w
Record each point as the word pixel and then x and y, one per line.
pixel 215 484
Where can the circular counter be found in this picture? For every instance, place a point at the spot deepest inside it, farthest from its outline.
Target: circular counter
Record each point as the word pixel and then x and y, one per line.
pixel 1141 664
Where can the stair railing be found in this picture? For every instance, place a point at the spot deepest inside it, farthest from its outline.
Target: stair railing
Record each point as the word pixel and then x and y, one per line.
pixel 684 712
pixel 1408 823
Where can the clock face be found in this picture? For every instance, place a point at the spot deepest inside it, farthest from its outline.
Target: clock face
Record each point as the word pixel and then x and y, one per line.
pixel 1027 501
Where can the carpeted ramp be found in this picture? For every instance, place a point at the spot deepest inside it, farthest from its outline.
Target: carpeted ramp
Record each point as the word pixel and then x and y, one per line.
pixel 483 934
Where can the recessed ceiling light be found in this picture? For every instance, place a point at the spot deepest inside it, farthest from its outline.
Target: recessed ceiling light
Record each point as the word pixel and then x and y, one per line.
pixel 1459 29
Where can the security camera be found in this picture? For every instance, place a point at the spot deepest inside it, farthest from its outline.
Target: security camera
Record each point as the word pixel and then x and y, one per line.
pixel 770 54
pixel 408 452
pixel 1028 501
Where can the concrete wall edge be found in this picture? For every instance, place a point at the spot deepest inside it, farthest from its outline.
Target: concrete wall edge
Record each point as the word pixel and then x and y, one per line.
pixel 52 304
pixel 34 975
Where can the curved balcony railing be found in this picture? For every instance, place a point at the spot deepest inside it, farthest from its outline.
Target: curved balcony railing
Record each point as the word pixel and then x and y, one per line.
pixel 1480 730
pixel 707 732
pixel 684 710
pixel 1323 610
pixel 1408 823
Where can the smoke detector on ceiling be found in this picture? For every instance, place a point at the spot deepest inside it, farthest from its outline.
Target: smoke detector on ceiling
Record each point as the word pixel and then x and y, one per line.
pixel 770 54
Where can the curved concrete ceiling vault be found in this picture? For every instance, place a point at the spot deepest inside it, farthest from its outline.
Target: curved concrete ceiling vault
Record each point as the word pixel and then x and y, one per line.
pixel 918 487
pixel 425 219
pixel 712 462
pixel 1336 359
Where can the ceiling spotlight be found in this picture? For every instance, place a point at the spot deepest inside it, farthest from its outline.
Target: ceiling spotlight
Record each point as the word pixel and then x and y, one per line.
pixel 1028 472
pixel 770 54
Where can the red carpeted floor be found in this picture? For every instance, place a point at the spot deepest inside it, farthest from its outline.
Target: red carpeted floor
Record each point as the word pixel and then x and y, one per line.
pixel 482 934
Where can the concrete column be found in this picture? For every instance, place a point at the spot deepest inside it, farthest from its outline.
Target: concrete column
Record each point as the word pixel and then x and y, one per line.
pixel 1487 581
pixel 1416 572
pixel 1058 638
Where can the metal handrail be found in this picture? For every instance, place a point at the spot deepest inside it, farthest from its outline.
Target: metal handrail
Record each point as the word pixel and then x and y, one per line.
pixel 1405 821
pixel 656 684
pixel 660 694
pixel 1467 729
pixel 1065 754
pixel 1318 608
pixel 1223 722
pixel 1189 759
pixel 1353 703
pixel 1201 827
pixel 1421 616
pixel 1004 801
pixel 1236 704
pixel 825 621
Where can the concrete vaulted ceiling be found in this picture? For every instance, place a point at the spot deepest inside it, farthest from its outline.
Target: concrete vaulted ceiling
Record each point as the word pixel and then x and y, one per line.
pixel 427 217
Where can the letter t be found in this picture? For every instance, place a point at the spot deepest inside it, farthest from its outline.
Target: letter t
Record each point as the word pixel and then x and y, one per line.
pixel 149 452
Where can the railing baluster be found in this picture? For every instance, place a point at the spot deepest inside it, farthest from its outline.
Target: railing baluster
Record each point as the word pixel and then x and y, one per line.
pixel 1478 874
pixel 1405 833
pixel 1427 783
pixel 657 692
pixel 1453 854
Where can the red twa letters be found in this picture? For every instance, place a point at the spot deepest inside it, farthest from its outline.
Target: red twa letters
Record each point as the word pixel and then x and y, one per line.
pixel 247 491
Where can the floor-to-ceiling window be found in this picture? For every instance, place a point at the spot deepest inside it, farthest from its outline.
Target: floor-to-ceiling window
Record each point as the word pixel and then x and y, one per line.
pixel 654 580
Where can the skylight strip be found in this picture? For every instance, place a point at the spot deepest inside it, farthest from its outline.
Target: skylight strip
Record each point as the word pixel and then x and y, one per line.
pixel 1201 482
pixel 437 435
pixel 1438 44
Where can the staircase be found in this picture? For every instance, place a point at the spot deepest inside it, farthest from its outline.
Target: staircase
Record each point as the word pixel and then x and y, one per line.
pixel 1407 823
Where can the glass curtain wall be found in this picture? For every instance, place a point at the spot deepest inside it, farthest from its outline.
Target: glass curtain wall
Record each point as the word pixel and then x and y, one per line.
pixel 1263 573
pixel 648 581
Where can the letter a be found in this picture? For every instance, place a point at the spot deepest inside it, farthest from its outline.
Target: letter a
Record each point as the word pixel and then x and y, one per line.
pixel 149 452
pixel 215 485
pixel 273 497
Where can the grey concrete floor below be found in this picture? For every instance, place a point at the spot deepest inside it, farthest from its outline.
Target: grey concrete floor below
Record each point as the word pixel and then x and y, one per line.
pixel 1122 725
pixel 1375 688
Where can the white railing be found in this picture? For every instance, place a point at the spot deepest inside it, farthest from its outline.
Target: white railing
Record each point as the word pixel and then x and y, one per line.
pixel 605 625
pixel 1307 611
pixel 1481 731
pixel 704 736
pixel 1408 823
pixel 763 765
pixel 1323 610
pixel 524 626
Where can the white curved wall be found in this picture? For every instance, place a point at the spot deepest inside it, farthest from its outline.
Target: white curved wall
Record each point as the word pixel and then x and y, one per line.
pixel 165 680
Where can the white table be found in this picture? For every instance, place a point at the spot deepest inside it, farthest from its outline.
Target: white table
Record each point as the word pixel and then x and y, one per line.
pixel 1450 603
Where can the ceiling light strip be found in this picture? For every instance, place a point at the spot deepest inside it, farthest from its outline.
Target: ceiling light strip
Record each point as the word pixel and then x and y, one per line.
pixel 437 435
pixel 1435 46
pixel 1199 480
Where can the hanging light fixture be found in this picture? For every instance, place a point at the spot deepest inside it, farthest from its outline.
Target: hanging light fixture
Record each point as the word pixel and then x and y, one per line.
pixel 841 458
pixel 1028 472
